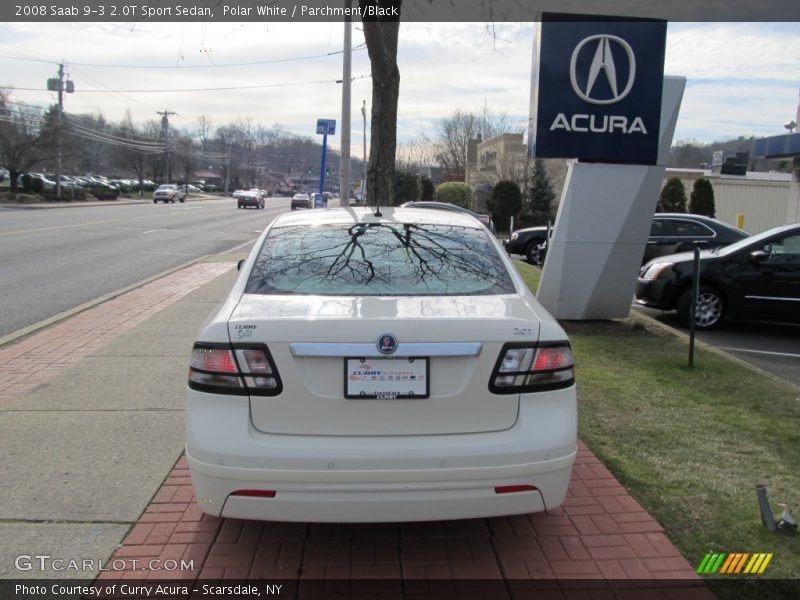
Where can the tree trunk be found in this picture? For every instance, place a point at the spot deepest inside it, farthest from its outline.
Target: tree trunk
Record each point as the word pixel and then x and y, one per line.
pixel 381 35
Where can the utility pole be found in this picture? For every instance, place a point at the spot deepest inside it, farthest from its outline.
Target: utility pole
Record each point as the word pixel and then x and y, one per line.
pixel 228 169
pixel 57 85
pixel 364 163
pixel 165 132
pixel 344 175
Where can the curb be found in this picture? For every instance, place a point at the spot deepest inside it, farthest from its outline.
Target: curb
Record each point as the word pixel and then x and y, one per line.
pixel 656 324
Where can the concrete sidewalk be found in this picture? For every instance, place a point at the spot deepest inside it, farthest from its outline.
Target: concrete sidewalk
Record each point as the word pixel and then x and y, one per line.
pixel 91 418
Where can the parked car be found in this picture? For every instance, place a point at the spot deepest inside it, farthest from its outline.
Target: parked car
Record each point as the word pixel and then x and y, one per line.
pixel 669 233
pixel 392 368
pixel 249 199
pixel 301 201
pixel 169 192
pixel 530 242
pixel 679 232
pixel 756 278
pixel 483 218
pixel 47 184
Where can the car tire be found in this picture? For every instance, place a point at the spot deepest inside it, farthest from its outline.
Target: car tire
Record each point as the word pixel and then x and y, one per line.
pixel 711 308
pixel 239 206
pixel 531 252
pixel 182 200
pixel 155 201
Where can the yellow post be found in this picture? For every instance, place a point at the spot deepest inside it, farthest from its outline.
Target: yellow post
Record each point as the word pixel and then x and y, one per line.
pixel 740 221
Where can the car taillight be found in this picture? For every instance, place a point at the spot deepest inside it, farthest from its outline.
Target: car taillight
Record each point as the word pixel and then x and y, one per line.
pixel 533 368
pixel 240 369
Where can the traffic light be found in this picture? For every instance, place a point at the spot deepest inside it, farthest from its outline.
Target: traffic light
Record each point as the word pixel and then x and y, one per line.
pixel 327 172
pixel 309 171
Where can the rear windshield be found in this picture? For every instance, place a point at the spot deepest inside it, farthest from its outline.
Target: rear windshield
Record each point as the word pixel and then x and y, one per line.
pixel 379 259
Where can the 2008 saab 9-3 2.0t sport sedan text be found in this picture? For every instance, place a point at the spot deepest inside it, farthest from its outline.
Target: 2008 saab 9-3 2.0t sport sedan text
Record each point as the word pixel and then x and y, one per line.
pixel 380 368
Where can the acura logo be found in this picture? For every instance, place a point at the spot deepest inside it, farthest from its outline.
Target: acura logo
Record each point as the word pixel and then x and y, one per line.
pixel 603 64
pixel 387 343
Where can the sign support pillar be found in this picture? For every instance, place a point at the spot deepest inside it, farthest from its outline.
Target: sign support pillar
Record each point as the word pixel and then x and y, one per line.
pixel 602 227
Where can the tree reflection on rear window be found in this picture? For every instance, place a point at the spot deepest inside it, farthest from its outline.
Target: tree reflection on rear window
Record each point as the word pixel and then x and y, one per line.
pixel 379 259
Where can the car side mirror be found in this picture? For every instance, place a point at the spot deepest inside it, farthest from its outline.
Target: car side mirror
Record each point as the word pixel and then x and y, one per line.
pixel 240 264
pixel 758 256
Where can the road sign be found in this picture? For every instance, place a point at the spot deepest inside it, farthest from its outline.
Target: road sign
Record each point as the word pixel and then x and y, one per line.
pixel 326 126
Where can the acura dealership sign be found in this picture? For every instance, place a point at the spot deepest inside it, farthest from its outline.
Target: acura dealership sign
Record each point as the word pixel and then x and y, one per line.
pixel 596 89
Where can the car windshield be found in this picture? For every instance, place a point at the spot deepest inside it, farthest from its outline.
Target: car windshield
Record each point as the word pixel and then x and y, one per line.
pixel 166 187
pixel 379 259
pixel 750 240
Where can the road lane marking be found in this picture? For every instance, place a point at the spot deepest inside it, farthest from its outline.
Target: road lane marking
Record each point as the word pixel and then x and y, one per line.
pixel 788 354
pixel 54 227
pixel 87 223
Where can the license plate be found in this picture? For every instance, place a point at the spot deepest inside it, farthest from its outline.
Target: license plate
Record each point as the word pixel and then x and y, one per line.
pixel 386 378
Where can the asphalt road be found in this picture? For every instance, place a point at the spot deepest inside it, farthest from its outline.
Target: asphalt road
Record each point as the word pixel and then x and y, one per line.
pixel 55 259
pixel 774 347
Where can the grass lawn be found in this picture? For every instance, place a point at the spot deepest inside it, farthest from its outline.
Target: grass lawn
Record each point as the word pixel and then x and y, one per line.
pixel 691 444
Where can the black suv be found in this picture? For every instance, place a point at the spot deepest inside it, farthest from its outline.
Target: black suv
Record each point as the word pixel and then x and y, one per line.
pixel 757 278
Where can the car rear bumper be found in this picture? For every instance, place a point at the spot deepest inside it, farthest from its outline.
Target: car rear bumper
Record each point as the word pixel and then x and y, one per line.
pixel 375 478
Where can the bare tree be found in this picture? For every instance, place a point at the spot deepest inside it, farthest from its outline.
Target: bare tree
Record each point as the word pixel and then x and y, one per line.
pixel 453 134
pixel 415 155
pixel 186 157
pixel 203 128
pixel 133 155
pixel 381 34
pixel 24 142
pixel 94 149
pixel 152 130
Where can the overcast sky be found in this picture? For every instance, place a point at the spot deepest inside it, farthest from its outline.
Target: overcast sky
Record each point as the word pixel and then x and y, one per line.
pixel 743 78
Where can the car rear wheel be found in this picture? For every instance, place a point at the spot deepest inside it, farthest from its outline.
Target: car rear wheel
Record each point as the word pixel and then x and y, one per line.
pixel 710 308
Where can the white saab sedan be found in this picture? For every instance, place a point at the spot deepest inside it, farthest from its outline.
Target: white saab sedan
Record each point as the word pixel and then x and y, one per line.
pixel 380 368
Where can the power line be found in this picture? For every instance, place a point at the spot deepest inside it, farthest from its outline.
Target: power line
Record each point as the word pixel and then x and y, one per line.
pixel 211 66
pixel 214 89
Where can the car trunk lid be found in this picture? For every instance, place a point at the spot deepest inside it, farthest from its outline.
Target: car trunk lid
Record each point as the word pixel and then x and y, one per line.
pixel 326 349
